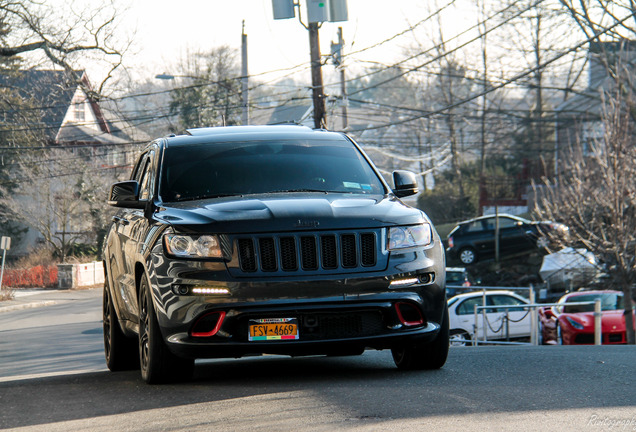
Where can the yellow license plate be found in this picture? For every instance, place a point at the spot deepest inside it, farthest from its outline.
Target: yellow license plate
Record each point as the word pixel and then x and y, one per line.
pixel 266 329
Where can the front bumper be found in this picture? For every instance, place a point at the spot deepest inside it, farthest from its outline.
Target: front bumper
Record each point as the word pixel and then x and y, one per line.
pixel 336 313
pixel 323 329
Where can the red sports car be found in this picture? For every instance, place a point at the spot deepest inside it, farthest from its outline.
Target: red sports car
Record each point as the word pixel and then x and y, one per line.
pixel 574 324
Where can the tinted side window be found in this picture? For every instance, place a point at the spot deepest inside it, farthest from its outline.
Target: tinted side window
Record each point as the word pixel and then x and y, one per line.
pixel 489 224
pixel 473 227
pixel 507 223
pixel 139 168
pixel 467 307
pixel 146 181
pixel 503 300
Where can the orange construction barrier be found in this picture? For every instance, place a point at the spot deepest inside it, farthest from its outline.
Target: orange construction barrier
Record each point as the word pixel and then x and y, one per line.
pixel 35 277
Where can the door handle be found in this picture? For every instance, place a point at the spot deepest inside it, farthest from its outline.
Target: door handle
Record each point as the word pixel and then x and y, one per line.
pixel 120 220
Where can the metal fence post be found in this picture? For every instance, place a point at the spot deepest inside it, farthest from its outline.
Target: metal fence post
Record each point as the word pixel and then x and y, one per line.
pixel 476 324
pixel 507 318
pixel 484 319
pixel 598 334
pixel 533 319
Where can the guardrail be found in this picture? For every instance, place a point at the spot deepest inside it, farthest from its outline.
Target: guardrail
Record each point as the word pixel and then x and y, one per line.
pixel 531 307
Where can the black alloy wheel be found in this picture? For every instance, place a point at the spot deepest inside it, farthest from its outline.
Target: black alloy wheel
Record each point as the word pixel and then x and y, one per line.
pixel 158 364
pixel 120 351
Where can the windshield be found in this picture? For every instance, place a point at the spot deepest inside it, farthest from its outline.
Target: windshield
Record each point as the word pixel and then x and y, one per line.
pixel 609 301
pixel 241 168
pixel 453 277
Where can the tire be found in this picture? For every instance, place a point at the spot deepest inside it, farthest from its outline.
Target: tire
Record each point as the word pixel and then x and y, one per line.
pixel 467 256
pixel 120 351
pixel 459 338
pixel 420 356
pixel 158 364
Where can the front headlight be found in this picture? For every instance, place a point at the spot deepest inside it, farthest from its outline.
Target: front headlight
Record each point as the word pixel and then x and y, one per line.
pixel 577 325
pixel 192 246
pixel 410 236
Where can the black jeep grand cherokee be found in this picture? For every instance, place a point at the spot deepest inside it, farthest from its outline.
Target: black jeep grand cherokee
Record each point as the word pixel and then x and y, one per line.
pixel 268 239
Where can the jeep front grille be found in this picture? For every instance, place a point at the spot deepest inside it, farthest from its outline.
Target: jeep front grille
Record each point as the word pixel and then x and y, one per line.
pixel 307 252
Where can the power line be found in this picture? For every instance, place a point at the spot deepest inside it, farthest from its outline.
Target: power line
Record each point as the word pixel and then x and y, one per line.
pixel 408 30
pixel 447 53
pixel 506 82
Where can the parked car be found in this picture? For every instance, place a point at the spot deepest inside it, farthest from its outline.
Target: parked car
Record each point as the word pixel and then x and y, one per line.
pixel 234 241
pixel 570 267
pixel 456 277
pixel 574 324
pixel 461 311
pixel 474 239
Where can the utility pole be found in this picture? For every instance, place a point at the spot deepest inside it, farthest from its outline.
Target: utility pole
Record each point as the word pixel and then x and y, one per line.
pixel 337 52
pixel 244 79
pixel 316 78
pixel 318 11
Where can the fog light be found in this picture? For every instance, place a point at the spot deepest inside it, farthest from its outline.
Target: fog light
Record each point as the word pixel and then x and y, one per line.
pixel 399 283
pixel 179 289
pixel 427 278
pixel 209 290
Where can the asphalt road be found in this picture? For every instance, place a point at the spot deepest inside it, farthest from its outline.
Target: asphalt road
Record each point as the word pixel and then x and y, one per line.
pixel 53 378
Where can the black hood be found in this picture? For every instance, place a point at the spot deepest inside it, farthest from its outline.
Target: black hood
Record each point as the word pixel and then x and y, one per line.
pixel 289 212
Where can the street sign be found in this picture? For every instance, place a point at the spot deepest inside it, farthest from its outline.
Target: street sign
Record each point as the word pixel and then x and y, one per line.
pixel 5 243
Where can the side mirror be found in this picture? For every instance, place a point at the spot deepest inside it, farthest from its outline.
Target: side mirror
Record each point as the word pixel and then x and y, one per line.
pixel 125 194
pixel 405 183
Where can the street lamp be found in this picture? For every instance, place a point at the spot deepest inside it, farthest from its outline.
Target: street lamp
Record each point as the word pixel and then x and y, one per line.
pixel 165 76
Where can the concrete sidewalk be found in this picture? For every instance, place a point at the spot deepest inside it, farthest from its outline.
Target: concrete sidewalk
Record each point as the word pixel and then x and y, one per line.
pixel 27 298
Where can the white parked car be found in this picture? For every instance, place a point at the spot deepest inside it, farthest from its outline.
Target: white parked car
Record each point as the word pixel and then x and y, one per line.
pixel 461 310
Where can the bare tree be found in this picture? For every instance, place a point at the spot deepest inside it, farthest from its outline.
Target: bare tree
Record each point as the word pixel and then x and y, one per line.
pixel 596 196
pixel 616 19
pixel 210 95
pixel 62 37
pixel 60 196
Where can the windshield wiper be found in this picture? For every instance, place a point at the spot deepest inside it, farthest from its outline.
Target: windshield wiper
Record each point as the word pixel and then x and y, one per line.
pixel 198 197
pixel 297 190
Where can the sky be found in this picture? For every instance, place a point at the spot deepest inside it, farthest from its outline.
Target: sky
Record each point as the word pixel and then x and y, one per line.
pixel 167 30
